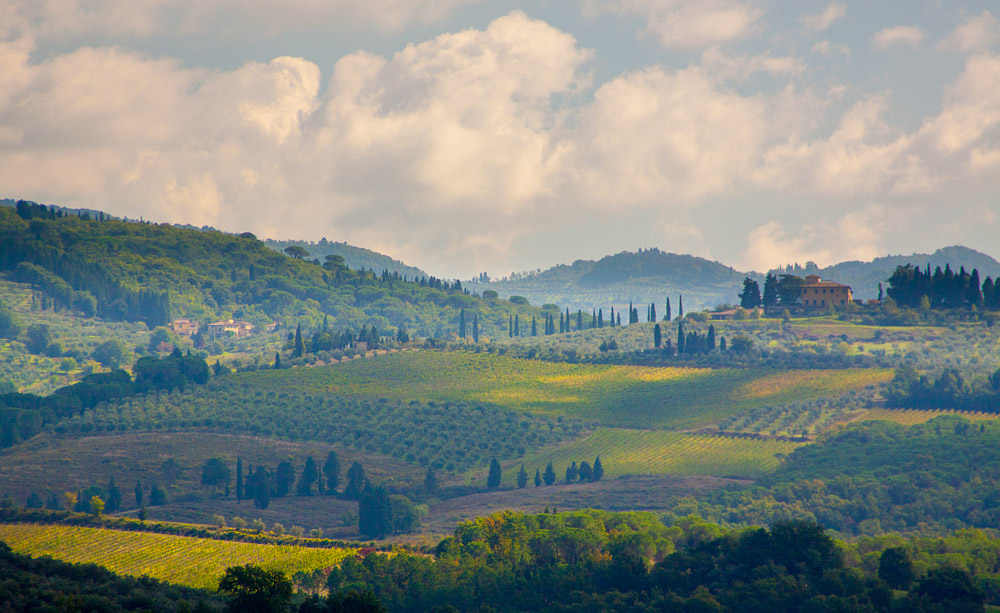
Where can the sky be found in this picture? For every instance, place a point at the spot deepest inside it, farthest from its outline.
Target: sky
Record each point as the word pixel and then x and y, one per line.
pixel 468 136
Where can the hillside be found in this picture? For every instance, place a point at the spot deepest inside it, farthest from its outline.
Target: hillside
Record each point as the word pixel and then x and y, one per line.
pixel 643 277
pixel 138 271
pixel 356 258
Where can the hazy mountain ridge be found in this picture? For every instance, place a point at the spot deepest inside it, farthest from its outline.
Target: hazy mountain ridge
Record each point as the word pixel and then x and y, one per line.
pixel 651 275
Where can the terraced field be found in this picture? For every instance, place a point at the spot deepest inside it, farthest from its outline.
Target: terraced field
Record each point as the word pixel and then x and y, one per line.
pixel 646 452
pixel 183 560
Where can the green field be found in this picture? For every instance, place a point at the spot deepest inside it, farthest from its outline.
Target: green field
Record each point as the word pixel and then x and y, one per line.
pixel 194 562
pixel 612 395
pixel 640 452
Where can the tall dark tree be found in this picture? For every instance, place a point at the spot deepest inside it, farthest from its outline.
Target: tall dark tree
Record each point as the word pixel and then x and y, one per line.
pixel 277 361
pixel 600 318
pixel 495 475
pixel 310 474
pixel 681 339
pixel 586 472
pixel 215 473
pixel 239 479
pixel 331 472
pixel 598 470
pixel 114 502
pixel 666 315
pixel 510 326
pixel 538 478
pixel 375 513
pixel 255 590
pixel 534 326
pixel 299 348
pixel 572 472
pixel 262 485
pixel 652 311
pixel 657 336
pixel 711 337
pixel 284 477
pixel 522 478
pixel 750 296
pixel 550 474
pixel 896 568
pixel 461 324
pixel 517 325
pixel 770 297
pixel 431 481
pixel 680 307
pixel 355 482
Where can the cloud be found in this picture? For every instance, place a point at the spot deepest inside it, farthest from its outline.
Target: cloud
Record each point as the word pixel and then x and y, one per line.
pixel 62 19
pixel 742 67
pixel 975 34
pixel 898 35
pixel 833 12
pixel 855 236
pixel 686 24
pixel 826 48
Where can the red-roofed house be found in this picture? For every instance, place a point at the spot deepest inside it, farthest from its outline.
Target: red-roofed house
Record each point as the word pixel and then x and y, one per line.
pixel 817 293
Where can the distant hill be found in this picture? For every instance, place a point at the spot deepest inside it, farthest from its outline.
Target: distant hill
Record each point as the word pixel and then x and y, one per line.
pixel 356 258
pixel 77 212
pixel 864 277
pixel 643 277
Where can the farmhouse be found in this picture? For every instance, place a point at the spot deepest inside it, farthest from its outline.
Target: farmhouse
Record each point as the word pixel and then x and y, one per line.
pixel 184 327
pixel 239 329
pixel 817 293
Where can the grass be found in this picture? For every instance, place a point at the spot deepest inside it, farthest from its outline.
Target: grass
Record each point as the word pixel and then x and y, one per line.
pixel 611 395
pixel 910 417
pixel 645 452
pixel 194 562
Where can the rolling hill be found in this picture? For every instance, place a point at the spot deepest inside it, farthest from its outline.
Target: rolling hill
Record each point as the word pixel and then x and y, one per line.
pixel 356 258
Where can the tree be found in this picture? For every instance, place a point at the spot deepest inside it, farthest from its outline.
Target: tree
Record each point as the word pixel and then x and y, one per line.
pixel 299 348
pixel 353 601
pixel 309 476
pixel 770 297
pixel 950 587
pixel 995 380
pixel 666 314
pixel 598 469
pixel 138 493
pixel 261 485
pixel 572 472
pixel 681 339
pixel 277 361
pixel 254 590
pixel 110 354
pixel 711 337
pixel 297 252
pixel 215 473
pixel 375 513
pixel 493 479
pixel 355 482
pixel 157 495
pixel 789 289
pixel 896 568
pixel 522 478
pixel 750 296
pixel 430 481
pixel 284 477
pixel 114 503
pixel 461 324
pixel 680 306
pixel 657 336
pixel 538 478
pixel 742 344
pixel 10 323
pixel 96 506
pixel 550 474
pixel 331 470
pixel 239 479
pixel 534 326
pixel 39 338
pixel 586 472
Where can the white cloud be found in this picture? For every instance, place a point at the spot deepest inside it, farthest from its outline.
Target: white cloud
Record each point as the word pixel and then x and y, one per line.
pixel 826 48
pixel 742 67
pixel 898 35
pixel 975 34
pixel 686 24
pixel 833 12
pixel 855 236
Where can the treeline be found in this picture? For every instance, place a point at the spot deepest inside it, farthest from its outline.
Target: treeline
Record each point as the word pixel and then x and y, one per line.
pixel 599 561
pixel 909 286
pixel 44 584
pixel 25 415
pixel 949 390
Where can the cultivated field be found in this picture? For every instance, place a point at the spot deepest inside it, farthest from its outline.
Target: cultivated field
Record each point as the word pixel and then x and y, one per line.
pixel 646 452
pixel 910 417
pixel 188 561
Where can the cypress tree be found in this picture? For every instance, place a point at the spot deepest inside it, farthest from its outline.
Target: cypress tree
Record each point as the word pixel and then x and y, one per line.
pixel 138 494
pixel 277 361
pixel 522 478
pixel 534 326
pixel 261 488
pixel 722 343
pixel 550 474
pixel 711 337
pixel 331 470
pixel 309 476
pixel 612 317
pixel 510 326
pixel 475 328
pixel 572 472
pixel 600 318
pixel 593 321
pixel 666 315
pixel 680 307
pixel 579 319
pixel 567 319
pixel 517 325
pixel 493 479
pixel 430 481
pixel 299 346
pixel 538 478
pixel 239 479
pixel 598 469
pixel 652 311
pixel 630 313
pixel 680 337
pixel 619 321
pixel 657 336
pixel 461 324
pixel 114 502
